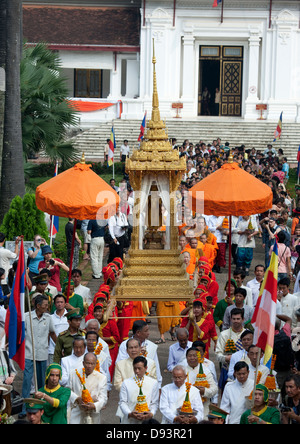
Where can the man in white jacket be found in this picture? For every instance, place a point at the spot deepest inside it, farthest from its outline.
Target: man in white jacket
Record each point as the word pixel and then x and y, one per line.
pixel 173 396
pixel 236 393
pixel 136 390
pixel 96 384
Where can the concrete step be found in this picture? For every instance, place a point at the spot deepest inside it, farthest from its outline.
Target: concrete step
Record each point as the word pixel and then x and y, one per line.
pixel 252 134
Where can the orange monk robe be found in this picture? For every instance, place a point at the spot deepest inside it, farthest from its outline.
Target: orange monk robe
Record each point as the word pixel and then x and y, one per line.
pixel 295 222
pixel 170 308
pixel 195 253
pixel 140 310
pixel 210 252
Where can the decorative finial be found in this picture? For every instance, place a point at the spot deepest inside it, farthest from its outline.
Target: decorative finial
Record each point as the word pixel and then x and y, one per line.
pixel 230 157
pixel 82 159
pixel 155 101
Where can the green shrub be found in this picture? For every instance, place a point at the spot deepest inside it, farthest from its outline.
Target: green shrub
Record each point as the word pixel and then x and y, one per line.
pixel 24 218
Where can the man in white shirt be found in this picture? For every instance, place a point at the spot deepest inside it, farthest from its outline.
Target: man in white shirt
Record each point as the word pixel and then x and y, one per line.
pixel 246 242
pixel 140 330
pixel 60 322
pixel 178 350
pixel 124 368
pixel 288 301
pixel 117 225
pixel 172 398
pixel 6 256
pixel 124 151
pixel 234 398
pixel 137 390
pixel 255 283
pixel 96 384
pixel 69 363
pixel 192 367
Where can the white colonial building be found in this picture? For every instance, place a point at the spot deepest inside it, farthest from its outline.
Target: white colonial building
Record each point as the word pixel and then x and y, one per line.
pixel 249 50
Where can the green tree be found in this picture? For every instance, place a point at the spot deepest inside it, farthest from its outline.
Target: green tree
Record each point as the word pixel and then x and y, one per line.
pixel 24 218
pixel 46 113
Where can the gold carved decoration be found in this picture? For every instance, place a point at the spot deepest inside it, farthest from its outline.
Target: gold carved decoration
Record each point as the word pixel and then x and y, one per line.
pixel 154 274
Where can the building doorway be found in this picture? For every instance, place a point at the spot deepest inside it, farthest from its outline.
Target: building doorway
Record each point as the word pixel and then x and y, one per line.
pixel 220 80
pixel 210 81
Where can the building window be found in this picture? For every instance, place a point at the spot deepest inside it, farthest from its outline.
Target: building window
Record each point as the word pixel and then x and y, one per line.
pixel 88 83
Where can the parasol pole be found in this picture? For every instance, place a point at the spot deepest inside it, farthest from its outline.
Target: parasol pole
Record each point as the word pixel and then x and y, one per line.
pixel 71 259
pixel 32 338
pixel 229 257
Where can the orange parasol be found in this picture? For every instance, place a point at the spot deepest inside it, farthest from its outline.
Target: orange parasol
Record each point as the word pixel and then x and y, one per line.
pixel 230 191
pixel 78 193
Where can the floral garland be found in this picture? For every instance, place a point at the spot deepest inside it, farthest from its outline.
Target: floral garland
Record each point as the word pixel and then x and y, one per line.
pixel 186 406
pixel 85 395
pixel 201 380
pixel 270 380
pixel 97 351
pixel 258 378
pixel 141 405
pixel 230 347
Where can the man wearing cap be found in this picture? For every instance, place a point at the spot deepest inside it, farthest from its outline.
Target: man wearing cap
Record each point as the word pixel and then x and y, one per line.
pixel 216 415
pixel 34 410
pixel 40 281
pixel 64 343
pixel 260 412
pixel 54 265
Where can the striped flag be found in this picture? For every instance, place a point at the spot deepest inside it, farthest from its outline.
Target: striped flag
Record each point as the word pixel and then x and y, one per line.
pixel 143 125
pixel 216 3
pixel 54 220
pixel 15 316
pixel 111 147
pixel 264 316
pixel 277 132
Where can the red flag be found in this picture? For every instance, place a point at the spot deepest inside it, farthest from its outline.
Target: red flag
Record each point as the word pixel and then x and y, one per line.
pixel 15 316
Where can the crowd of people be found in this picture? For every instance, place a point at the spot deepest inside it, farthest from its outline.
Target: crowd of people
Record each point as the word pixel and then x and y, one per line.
pixel 80 346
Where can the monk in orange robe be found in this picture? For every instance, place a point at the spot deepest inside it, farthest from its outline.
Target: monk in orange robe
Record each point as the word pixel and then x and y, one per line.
pixel 209 250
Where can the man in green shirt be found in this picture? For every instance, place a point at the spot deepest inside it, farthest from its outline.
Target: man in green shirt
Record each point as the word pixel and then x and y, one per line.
pixel 260 412
pixel 56 397
pixel 64 342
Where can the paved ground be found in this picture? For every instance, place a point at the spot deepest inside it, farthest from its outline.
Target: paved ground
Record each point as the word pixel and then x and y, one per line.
pixel 108 414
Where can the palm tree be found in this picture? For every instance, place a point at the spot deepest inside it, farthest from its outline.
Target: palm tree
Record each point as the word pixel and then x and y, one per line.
pixel 2 70
pixel 12 179
pixel 46 114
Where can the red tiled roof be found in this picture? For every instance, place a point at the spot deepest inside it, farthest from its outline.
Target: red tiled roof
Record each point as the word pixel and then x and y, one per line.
pixel 72 25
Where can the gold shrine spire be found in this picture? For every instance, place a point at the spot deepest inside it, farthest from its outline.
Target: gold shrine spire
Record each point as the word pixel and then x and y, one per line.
pixel 155 101
pixel 155 152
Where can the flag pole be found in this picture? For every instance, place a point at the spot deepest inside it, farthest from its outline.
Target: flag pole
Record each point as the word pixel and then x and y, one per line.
pixel 32 339
pixel 255 376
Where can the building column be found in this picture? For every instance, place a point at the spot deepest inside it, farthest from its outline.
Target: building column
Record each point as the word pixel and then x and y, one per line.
pixel 253 75
pixel 188 74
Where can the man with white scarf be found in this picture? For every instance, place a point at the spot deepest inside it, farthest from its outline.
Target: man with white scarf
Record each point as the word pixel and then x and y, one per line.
pixel 173 396
pixel 96 384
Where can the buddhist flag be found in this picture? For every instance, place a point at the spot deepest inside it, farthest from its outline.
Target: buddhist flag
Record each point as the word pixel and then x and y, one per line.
pixel 15 315
pixel 264 316
pixel 277 132
pixel 142 130
pixel 112 146
pixel 216 2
